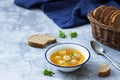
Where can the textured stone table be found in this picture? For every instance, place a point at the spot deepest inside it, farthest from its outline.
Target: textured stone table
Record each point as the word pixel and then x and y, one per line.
pixel 18 61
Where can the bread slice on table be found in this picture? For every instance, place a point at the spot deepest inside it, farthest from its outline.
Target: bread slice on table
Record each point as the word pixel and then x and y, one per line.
pixel 105 12
pixel 40 40
pixel 97 12
pixel 104 70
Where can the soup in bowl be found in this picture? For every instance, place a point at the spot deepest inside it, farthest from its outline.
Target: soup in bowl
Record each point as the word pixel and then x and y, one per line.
pixel 67 57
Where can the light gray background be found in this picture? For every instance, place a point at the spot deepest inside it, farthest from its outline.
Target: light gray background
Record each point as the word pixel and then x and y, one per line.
pixel 18 61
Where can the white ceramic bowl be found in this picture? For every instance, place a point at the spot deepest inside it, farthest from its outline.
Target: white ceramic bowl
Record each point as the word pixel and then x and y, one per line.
pixel 60 46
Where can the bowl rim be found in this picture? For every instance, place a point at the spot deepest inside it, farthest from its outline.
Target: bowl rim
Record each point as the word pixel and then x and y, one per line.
pixel 67 66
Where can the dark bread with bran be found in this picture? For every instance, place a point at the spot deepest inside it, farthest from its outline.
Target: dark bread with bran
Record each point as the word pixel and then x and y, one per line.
pixel 107 18
pixel 40 40
pixel 97 12
pixel 104 70
pixel 111 17
pixel 115 22
pixel 105 12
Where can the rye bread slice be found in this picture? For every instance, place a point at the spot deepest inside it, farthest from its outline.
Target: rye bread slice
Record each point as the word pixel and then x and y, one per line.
pixel 115 22
pixel 105 12
pixel 97 12
pixel 40 40
pixel 111 17
pixel 104 70
pixel 107 18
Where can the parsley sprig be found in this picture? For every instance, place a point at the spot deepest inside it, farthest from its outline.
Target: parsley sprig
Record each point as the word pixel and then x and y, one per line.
pixel 73 34
pixel 48 72
pixel 72 54
pixel 62 34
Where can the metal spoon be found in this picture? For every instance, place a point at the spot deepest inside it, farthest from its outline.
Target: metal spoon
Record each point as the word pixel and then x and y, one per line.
pixel 99 50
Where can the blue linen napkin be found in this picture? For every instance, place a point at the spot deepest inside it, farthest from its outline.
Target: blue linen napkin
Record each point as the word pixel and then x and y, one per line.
pixel 66 13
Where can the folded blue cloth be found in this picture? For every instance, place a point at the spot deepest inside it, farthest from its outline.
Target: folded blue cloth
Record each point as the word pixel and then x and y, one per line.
pixel 66 13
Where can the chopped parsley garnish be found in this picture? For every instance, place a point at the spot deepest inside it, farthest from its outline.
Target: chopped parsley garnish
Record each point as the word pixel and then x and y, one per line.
pixel 62 34
pixel 47 72
pixel 73 34
pixel 72 55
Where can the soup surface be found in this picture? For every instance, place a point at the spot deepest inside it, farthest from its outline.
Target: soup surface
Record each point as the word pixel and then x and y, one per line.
pixel 67 57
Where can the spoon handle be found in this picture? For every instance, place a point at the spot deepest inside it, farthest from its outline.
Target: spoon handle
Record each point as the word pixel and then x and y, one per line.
pixel 116 64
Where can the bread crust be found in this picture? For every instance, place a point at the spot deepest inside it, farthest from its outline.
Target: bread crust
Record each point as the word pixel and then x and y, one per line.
pixel 36 45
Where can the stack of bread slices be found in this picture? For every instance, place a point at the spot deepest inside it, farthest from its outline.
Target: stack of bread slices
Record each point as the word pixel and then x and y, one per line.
pixel 107 15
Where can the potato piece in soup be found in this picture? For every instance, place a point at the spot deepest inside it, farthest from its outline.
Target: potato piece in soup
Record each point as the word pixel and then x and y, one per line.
pixel 62 52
